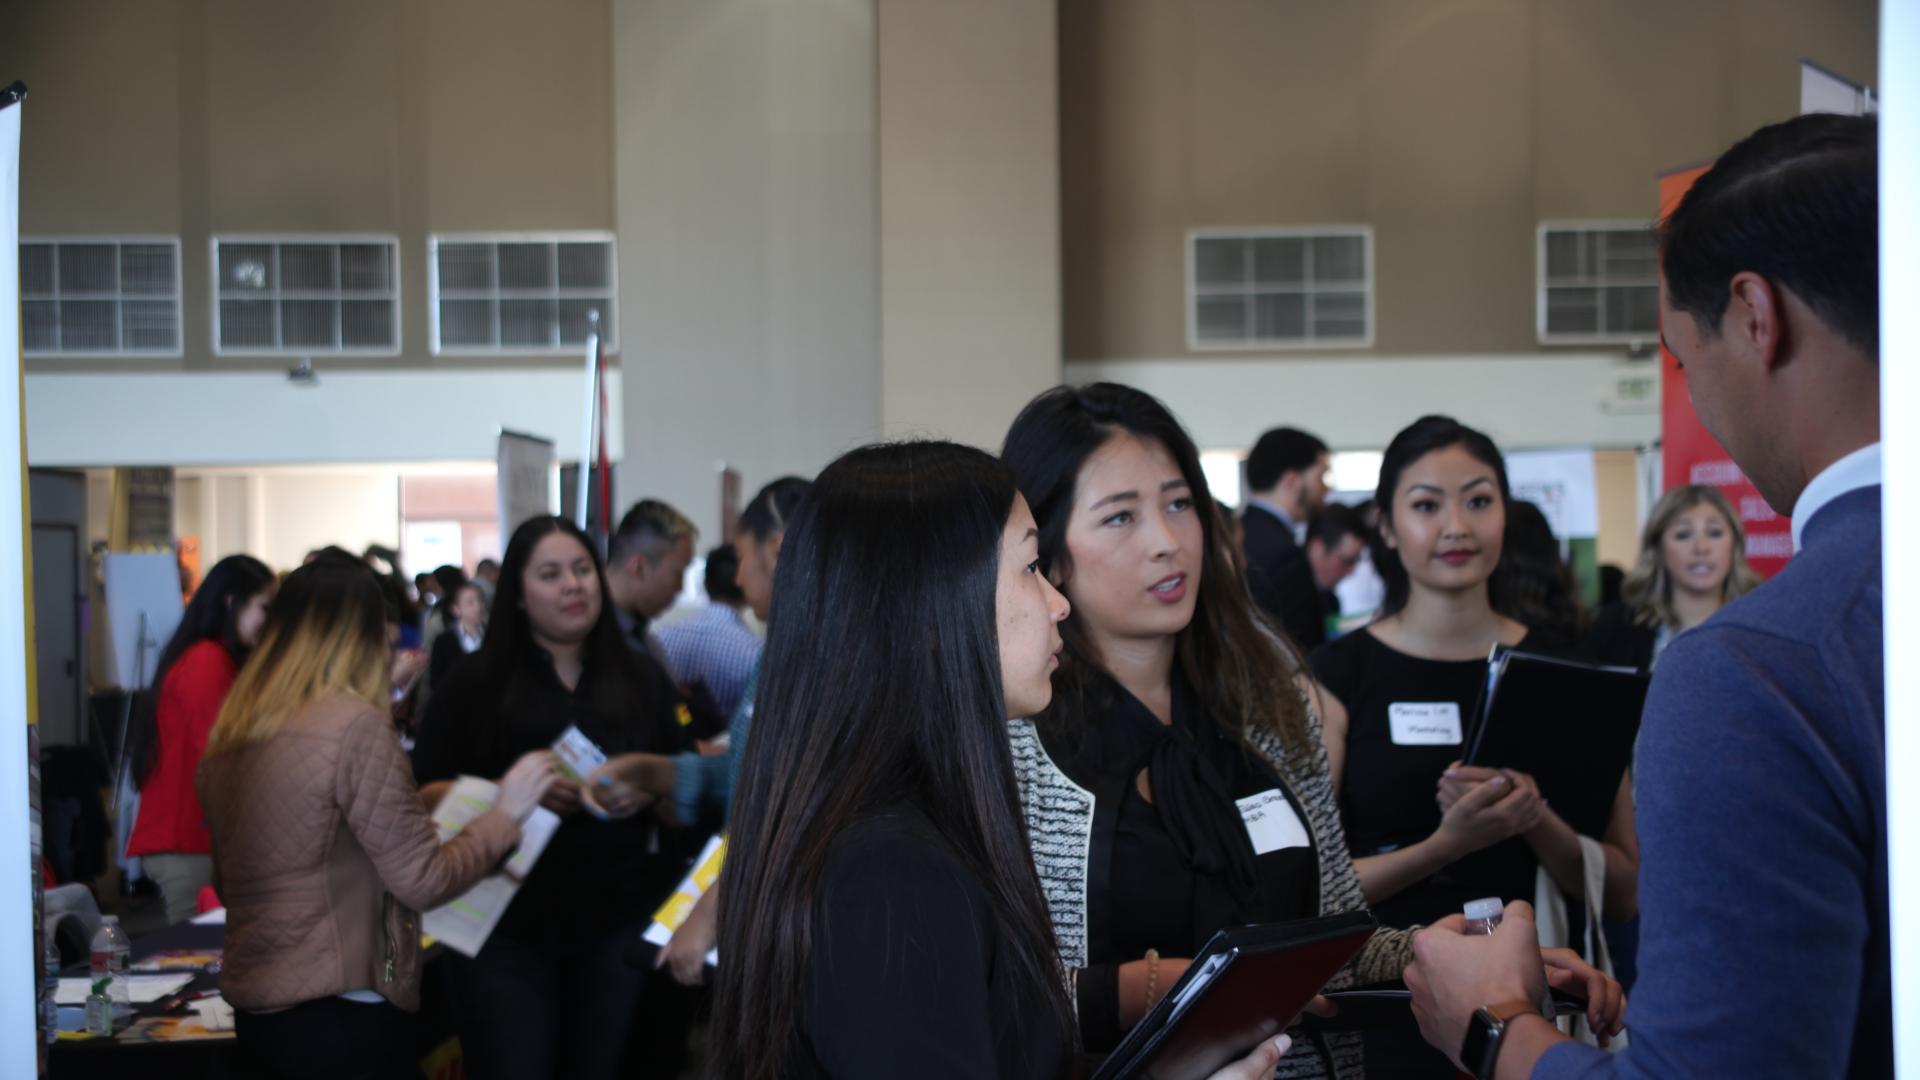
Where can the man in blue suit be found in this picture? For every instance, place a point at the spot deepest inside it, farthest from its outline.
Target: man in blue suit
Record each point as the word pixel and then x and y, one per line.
pixel 1760 775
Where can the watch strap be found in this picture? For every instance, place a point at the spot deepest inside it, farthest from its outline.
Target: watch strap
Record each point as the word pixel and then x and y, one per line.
pixel 1507 1010
pixel 1486 1034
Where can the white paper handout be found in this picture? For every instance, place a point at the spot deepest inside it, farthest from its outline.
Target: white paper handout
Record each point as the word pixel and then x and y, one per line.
pixel 214 1013
pixel 465 923
pixel 143 989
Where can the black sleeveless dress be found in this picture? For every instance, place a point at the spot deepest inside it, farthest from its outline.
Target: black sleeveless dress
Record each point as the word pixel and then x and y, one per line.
pixel 1406 720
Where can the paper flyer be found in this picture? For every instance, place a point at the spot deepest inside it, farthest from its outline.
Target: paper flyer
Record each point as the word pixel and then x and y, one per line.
pixel 465 923
pixel 673 914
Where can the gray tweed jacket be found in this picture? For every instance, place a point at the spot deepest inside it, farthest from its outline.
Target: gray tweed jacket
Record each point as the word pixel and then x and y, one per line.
pixel 1059 817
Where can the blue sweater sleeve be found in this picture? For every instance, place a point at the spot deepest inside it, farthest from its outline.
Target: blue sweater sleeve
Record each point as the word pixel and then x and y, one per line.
pixel 705 782
pixel 1753 872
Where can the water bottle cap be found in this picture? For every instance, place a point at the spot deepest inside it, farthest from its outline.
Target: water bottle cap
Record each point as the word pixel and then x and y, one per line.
pixel 1489 908
pixel 110 920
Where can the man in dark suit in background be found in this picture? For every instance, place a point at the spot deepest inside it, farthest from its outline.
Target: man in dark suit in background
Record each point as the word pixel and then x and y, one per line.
pixel 1286 487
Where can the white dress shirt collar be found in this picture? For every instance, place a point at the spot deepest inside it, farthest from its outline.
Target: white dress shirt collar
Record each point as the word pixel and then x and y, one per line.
pixel 1857 470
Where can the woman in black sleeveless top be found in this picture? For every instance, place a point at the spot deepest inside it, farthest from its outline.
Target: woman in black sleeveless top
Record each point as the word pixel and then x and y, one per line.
pixel 1427 834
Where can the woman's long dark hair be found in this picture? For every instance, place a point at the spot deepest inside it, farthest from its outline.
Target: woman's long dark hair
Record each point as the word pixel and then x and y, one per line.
pixel 880 683
pixel 1536 586
pixel 1424 436
pixel 449 578
pixel 773 506
pixel 212 615
pixel 1241 666
pixel 506 662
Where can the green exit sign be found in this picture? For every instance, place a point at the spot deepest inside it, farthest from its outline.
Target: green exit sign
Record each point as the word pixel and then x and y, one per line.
pixel 1639 388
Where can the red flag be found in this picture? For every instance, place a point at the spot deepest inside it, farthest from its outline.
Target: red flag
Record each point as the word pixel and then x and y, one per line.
pixel 601 461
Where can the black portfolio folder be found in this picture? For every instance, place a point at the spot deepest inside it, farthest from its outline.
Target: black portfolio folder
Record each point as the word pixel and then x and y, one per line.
pixel 1243 987
pixel 1569 725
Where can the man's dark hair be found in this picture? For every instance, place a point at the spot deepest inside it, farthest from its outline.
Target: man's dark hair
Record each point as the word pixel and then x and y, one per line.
pixel 723 565
pixel 649 529
pixel 1279 452
pixel 1797 203
pixel 486 565
pixel 1333 524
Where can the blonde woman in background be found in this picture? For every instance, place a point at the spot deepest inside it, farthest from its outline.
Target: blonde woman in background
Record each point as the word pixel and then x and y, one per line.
pixel 322 849
pixel 1693 562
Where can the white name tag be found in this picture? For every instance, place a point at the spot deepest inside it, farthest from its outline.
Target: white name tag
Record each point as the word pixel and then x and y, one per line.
pixel 1425 723
pixel 1271 822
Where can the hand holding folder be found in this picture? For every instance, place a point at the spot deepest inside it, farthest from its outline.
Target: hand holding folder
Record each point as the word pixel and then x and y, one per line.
pixel 1569 725
pixel 1243 988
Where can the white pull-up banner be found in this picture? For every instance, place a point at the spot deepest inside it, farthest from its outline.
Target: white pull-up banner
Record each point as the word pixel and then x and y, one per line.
pixel 19 810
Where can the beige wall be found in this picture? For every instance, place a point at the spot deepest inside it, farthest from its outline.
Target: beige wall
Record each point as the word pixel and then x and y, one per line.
pixel 969 214
pixel 191 117
pixel 746 176
pixel 97 154
pixel 1616 478
pixel 1451 126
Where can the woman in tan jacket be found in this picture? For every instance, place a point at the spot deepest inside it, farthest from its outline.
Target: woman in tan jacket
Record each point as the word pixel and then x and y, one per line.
pixel 322 850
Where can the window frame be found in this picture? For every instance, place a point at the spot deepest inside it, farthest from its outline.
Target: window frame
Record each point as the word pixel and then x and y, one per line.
pixel 118 240
pixel 609 343
pixel 279 240
pixel 1540 283
pixel 1309 287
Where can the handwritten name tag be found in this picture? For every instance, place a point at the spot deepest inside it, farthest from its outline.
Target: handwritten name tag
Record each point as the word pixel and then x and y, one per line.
pixel 1425 723
pixel 1271 822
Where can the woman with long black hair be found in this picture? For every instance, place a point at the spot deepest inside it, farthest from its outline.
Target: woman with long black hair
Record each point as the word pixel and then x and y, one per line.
pixel 1177 713
pixel 1427 833
pixel 219 628
pixel 881 915
pixel 1444 499
pixel 550 994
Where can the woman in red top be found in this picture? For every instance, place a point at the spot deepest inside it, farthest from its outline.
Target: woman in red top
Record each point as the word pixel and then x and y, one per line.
pixel 221 623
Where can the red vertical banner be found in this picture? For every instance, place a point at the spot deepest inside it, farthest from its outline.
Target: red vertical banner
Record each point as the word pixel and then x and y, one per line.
pixel 1689 455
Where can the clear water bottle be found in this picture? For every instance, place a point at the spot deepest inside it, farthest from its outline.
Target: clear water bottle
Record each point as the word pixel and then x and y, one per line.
pixel 1482 917
pixel 1484 914
pixel 110 995
pixel 50 992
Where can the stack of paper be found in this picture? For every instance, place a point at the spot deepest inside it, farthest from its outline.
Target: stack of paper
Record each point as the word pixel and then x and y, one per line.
pixel 146 989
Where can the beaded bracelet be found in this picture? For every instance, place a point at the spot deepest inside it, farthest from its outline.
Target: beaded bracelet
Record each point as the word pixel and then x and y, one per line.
pixel 1153 975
